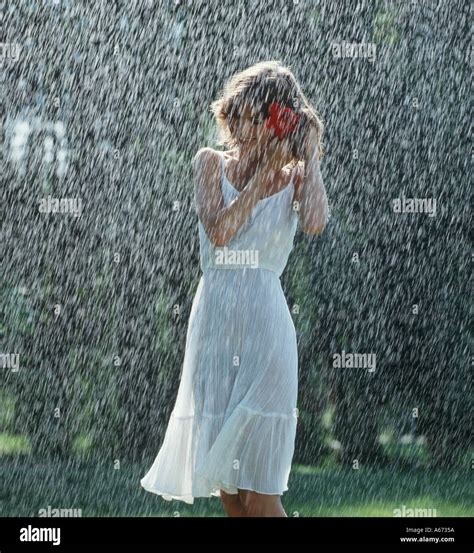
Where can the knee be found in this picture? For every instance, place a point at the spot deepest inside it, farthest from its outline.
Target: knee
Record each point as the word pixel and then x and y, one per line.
pixel 229 500
pixel 231 503
pixel 253 504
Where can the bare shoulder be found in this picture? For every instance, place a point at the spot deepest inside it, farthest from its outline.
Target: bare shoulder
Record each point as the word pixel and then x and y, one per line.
pixel 206 158
pixel 206 172
pixel 207 189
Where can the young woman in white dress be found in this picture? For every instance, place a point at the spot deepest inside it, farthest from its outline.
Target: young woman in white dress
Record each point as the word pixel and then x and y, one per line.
pixel 232 430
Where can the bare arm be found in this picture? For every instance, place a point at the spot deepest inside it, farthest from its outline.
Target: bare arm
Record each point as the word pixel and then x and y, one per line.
pixel 311 193
pixel 220 222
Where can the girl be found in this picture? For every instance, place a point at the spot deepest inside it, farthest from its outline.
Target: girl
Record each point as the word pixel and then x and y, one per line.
pixel 232 430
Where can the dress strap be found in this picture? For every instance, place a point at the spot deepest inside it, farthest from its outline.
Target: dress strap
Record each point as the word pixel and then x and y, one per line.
pixel 221 155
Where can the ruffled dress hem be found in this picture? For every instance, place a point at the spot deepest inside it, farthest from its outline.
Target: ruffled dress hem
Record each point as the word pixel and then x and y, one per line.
pixel 213 473
pixel 217 487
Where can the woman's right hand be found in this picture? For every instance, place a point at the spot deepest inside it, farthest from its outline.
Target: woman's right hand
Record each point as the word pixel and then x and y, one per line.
pixel 257 178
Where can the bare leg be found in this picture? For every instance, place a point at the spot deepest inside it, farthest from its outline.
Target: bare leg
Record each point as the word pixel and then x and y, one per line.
pixel 232 504
pixel 261 505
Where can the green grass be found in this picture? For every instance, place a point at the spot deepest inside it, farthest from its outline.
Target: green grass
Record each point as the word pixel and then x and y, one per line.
pixel 10 444
pixel 102 490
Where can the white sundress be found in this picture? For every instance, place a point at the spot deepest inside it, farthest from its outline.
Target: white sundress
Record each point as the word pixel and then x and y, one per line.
pixel 233 424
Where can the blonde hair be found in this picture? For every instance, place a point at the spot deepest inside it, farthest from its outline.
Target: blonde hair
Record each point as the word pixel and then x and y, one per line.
pixel 259 85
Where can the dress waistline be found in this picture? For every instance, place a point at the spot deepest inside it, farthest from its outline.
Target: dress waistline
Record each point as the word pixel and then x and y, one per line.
pixel 242 268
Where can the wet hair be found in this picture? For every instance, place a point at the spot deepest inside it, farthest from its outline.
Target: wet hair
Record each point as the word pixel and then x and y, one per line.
pixel 259 86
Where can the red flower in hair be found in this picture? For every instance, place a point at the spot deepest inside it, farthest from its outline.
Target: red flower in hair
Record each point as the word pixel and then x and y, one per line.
pixel 282 119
